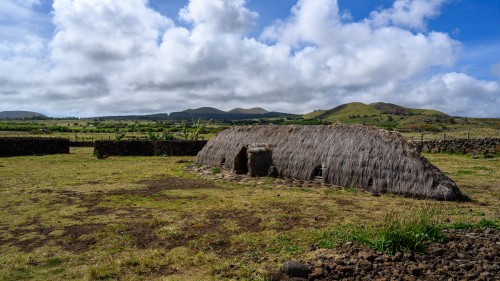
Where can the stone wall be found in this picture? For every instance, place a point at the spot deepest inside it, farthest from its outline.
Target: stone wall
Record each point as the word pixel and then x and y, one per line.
pixel 104 148
pixel 461 146
pixel 32 146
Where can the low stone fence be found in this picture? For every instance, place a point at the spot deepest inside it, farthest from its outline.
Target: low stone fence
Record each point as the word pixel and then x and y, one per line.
pixel 463 146
pixel 103 148
pixel 10 146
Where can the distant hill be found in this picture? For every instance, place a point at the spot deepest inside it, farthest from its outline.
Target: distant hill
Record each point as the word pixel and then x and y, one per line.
pixel 389 108
pixel 205 113
pixel 255 110
pixel 314 114
pixel 358 109
pixel 349 109
pixel 385 115
pixel 19 114
pixel 204 110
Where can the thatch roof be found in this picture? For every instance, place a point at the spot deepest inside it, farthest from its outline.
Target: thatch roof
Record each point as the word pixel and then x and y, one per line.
pixel 369 158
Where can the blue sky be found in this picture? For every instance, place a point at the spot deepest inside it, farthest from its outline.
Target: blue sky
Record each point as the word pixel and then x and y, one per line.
pixel 101 57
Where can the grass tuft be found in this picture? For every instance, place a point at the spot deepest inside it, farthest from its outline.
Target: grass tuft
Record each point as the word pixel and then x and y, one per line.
pixel 401 231
pixel 408 231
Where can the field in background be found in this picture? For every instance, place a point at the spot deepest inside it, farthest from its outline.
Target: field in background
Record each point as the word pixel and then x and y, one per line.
pixel 144 218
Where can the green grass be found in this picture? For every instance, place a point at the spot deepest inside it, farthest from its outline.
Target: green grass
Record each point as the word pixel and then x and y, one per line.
pixel 401 231
pixel 488 223
pixel 76 217
pixel 409 230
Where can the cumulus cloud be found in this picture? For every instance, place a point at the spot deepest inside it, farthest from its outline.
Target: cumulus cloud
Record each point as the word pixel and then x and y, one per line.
pixel 458 94
pixel 115 57
pixel 408 13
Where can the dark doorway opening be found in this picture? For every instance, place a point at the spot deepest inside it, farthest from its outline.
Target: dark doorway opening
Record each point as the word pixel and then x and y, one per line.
pixel 241 161
pixel 317 173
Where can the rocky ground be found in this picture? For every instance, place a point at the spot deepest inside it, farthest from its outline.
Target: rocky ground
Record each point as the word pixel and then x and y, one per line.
pixel 466 255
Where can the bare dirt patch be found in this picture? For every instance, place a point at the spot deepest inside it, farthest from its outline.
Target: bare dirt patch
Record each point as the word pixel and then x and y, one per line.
pixel 72 234
pixel 28 245
pixel 169 183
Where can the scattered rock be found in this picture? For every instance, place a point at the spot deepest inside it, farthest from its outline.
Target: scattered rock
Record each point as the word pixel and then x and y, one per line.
pixel 478 250
pixel 367 255
pixel 295 269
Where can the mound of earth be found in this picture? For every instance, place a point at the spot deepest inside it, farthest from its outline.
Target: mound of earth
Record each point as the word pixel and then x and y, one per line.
pixel 467 255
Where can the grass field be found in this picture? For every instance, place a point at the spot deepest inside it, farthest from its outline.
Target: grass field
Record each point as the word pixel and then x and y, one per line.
pixel 75 217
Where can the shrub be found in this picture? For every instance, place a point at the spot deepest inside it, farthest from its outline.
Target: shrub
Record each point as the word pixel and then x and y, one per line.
pixel 216 170
pixel 119 134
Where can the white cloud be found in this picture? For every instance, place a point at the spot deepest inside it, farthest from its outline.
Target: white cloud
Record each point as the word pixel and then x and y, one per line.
pixel 408 13
pixel 458 94
pixel 219 16
pixel 114 57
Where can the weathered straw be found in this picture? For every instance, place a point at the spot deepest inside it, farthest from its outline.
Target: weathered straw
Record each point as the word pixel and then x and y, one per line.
pixel 259 159
pixel 373 159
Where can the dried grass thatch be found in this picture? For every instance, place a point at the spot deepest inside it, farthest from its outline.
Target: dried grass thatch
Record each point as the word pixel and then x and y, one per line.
pixel 373 159
pixel 260 159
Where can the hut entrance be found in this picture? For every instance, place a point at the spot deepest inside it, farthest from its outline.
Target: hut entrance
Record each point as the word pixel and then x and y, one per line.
pixel 260 160
pixel 241 161
pixel 317 174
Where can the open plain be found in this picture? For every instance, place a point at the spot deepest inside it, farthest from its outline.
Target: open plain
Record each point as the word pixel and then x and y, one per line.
pixel 76 217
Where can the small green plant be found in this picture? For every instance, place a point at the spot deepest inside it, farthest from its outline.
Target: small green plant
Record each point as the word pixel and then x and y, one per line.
pixel 216 170
pixel 184 130
pixel 120 134
pixel 167 135
pixel 198 127
pixel 153 136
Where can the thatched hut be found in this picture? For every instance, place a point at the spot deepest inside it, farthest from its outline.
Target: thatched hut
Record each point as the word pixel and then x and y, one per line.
pixel 373 159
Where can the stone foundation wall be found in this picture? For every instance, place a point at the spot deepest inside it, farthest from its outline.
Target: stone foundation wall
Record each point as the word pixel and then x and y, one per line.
pixel 10 147
pixel 463 146
pixel 147 148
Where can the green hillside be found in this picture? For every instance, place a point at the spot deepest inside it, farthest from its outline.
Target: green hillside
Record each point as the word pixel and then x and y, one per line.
pixel 314 114
pixel 389 108
pixel 349 110
pixel 396 117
